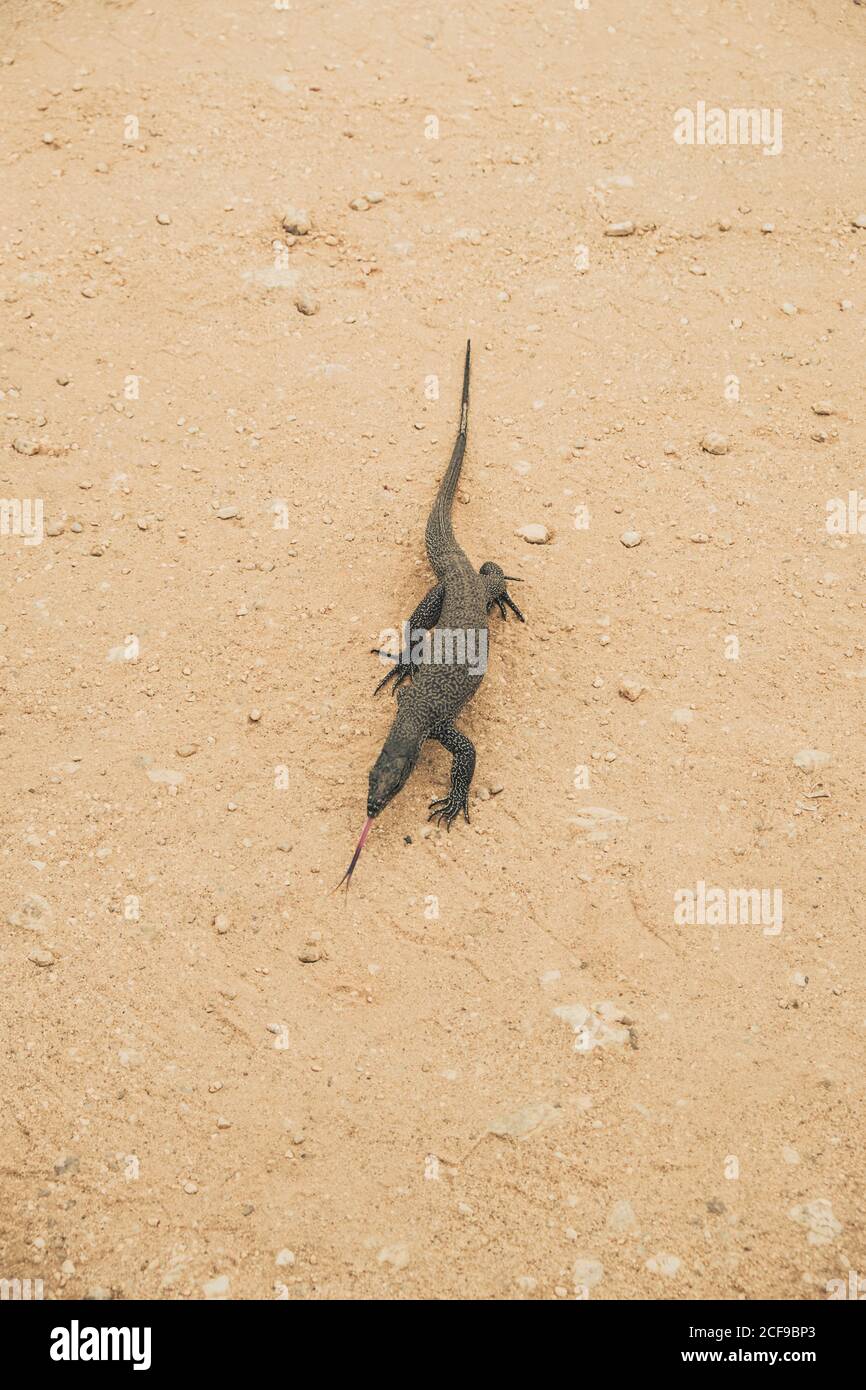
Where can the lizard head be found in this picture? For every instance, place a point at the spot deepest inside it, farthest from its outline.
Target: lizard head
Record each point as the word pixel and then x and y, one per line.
pixel 497 589
pixel 388 774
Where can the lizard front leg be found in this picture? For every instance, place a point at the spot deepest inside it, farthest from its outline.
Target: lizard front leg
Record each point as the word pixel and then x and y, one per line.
pixel 426 616
pixel 462 767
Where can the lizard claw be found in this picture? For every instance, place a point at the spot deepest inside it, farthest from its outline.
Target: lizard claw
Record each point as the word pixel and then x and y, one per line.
pixel 447 808
pixel 503 602
pixel 401 670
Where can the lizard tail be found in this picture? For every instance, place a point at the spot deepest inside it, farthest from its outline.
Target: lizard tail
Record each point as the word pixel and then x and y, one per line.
pixel 440 536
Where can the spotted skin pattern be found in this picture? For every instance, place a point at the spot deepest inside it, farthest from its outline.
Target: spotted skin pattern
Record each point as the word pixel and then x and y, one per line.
pixel 429 705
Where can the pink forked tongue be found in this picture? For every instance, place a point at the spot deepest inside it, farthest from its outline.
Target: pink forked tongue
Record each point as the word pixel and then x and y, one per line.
pixel 347 876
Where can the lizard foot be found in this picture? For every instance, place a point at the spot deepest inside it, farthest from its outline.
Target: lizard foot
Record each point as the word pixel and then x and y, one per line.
pixel 401 670
pixel 497 592
pixel 447 808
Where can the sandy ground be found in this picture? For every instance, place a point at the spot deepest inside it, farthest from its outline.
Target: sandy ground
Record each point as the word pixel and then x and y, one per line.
pixel 502 1069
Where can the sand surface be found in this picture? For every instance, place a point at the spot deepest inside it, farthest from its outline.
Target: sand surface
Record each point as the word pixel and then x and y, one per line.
pixel 502 1069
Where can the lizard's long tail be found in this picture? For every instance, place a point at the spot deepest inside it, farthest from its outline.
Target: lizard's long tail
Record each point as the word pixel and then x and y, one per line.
pixel 440 536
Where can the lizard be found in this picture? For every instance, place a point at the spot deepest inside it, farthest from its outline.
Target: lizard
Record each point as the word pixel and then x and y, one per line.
pixel 442 683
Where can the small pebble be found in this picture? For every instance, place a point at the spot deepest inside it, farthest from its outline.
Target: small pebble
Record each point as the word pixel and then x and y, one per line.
pixel 163 219
pixel 226 513
pixel 306 303
pixel 715 443
pixel 40 957
pixel 788 308
pixel 296 221
pixel 859 221
pixel 619 229
pixel 359 205
pixel 631 689
pixel 630 539
pixel 221 922
pixel 533 533
pixel 822 408
pixel 25 446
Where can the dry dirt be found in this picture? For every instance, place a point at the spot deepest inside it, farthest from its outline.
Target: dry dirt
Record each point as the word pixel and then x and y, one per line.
pixel 190 1107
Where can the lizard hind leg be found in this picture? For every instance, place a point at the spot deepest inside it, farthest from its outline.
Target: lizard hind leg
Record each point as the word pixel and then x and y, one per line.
pixel 496 582
pixel 462 750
